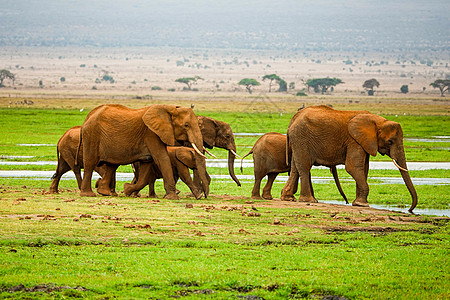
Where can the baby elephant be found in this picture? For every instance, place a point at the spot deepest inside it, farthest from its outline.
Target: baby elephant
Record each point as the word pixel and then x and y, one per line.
pixel 269 158
pixel 182 159
pixel 66 150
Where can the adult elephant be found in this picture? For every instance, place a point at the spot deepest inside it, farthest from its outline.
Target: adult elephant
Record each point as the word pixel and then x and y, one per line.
pixel 219 134
pixel 320 135
pixel 271 158
pixel 118 135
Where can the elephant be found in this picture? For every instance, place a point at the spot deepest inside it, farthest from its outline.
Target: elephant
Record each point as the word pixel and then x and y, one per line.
pixel 270 158
pixel 320 135
pixel 115 135
pixel 219 134
pixel 181 158
pixel 66 150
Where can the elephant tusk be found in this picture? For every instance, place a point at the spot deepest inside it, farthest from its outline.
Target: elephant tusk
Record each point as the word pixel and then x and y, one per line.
pixel 398 166
pixel 235 154
pixel 198 151
pixel 206 150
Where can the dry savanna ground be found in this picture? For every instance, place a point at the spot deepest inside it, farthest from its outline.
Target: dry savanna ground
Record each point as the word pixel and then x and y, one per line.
pixel 149 74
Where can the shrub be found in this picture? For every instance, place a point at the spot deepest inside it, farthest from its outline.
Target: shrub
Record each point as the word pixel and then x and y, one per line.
pixel 156 88
pixel 404 89
pixel 301 93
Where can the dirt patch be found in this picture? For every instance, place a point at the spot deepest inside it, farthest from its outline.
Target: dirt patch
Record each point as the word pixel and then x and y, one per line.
pixel 46 288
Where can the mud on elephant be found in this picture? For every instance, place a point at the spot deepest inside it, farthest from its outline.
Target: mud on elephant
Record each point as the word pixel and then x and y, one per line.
pixel 117 135
pixel 320 135
pixel 181 158
pixel 271 158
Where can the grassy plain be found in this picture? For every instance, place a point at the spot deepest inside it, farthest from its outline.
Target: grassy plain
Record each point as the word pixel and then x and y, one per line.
pixel 224 247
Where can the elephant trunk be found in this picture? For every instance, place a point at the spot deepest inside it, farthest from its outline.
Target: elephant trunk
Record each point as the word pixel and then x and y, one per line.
pixel 231 158
pixel 196 140
pixel 401 165
pixel 203 175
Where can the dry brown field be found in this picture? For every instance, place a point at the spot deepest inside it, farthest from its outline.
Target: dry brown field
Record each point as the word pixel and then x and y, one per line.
pixel 136 70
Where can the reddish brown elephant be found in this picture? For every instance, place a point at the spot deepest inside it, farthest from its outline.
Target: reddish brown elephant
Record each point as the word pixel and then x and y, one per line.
pixel 118 135
pixel 181 158
pixel 66 150
pixel 219 134
pixel 269 158
pixel 320 135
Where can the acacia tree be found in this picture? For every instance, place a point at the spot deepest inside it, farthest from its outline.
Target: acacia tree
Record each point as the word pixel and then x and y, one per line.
pixel 276 78
pixel 5 74
pixel 442 84
pixel 322 84
pixel 189 81
pixel 370 84
pixel 249 83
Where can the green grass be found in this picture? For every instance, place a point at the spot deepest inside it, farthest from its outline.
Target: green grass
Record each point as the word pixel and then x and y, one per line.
pixel 142 248
pixel 226 246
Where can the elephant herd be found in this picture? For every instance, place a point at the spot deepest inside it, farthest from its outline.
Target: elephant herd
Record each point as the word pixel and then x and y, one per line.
pixel 167 141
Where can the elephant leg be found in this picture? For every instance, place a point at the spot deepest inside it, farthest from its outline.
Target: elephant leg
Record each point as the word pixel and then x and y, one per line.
pixel 162 160
pixel 183 173
pixel 151 185
pixel 268 187
pixel 306 189
pixel 257 186
pixel 86 188
pixel 145 169
pixel 291 186
pixel 61 169
pixel 108 173
pixel 359 171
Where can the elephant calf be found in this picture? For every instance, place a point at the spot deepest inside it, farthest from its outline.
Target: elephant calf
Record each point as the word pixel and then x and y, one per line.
pixel 67 159
pixel 269 157
pixel 181 158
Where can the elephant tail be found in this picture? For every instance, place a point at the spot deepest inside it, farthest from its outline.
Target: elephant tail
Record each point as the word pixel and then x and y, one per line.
pixel 242 159
pixel 288 151
pixel 79 147
pixel 338 184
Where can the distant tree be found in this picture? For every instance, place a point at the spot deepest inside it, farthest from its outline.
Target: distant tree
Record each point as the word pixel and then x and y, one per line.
pixel 283 86
pixel 62 79
pixel 322 84
pixel 370 84
pixel 442 84
pixel 249 83
pixel 404 89
pixel 291 85
pixel 5 74
pixel 188 81
pixel 271 77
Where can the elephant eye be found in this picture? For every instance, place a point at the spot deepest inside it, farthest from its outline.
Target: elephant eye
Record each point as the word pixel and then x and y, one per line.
pixel 390 142
pixel 186 125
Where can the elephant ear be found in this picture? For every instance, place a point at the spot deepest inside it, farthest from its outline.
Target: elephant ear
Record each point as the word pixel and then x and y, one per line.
pixel 363 129
pixel 208 128
pixel 186 156
pixel 158 119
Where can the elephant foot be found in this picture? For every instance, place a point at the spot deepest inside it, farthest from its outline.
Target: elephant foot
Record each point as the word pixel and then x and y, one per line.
pixel 52 191
pixel 307 199
pixel 150 195
pixel 88 194
pixel 128 190
pixel 198 195
pixel 105 192
pixel 114 194
pixel 267 196
pixel 286 197
pixel 171 196
pixel 256 197
pixel 360 202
